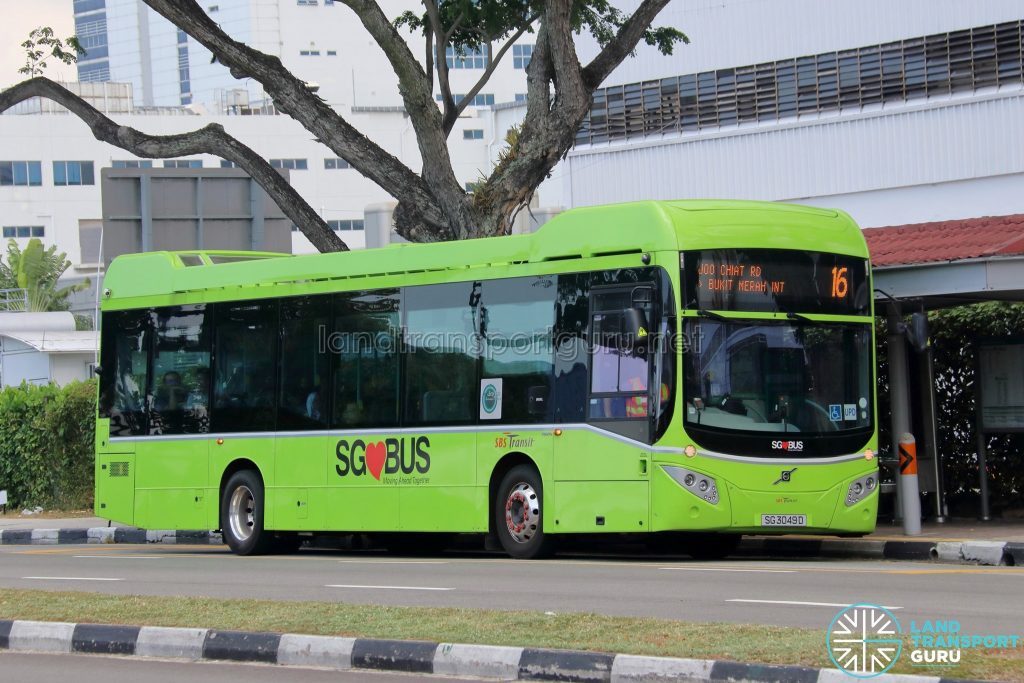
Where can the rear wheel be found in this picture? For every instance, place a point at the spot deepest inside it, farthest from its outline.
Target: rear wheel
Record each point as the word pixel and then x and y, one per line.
pixel 241 514
pixel 517 514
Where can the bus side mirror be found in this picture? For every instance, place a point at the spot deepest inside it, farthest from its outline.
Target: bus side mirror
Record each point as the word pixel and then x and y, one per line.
pixel 635 327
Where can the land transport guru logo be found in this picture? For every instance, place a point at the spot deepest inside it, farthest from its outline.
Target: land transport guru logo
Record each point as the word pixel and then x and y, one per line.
pixel 865 640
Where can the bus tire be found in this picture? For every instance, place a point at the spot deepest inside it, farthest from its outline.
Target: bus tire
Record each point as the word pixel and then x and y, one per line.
pixel 241 514
pixel 711 546
pixel 517 514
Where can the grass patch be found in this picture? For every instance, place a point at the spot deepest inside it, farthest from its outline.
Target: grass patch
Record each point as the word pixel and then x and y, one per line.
pixel 663 637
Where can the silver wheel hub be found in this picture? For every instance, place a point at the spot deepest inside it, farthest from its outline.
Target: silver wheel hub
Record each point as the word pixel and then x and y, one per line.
pixel 241 515
pixel 522 513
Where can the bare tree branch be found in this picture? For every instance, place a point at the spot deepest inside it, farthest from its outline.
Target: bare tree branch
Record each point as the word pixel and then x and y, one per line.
pixel 413 85
pixel 210 139
pixel 450 119
pixel 293 97
pixel 623 43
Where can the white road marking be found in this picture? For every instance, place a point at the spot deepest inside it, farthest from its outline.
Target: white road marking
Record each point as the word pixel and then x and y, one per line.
pixel 68 578
pixel 804 604
pixel 395 588
pixel 121 557
pixel 725 569
pixel 391 562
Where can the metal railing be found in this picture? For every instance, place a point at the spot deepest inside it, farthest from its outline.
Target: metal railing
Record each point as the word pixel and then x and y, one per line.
pixel 13 299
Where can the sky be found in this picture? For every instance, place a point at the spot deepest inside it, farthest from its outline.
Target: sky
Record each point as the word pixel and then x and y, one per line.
pixel 19 18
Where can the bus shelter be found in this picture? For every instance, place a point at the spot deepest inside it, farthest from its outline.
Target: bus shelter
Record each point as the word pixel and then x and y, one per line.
pixel 929 266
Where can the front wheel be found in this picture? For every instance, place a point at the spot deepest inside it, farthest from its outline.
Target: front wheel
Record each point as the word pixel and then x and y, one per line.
pixel 241 514
pixel 517 514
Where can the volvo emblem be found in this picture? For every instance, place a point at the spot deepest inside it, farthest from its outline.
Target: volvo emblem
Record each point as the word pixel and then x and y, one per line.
pixel 786 475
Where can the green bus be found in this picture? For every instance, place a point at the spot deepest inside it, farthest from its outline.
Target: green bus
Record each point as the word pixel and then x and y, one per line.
pixel 691 370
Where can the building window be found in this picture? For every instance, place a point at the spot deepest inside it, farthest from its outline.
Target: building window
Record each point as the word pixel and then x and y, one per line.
pixel 73 173
pixel 332 53
pixel 309 53
pixel 82 6
pixel 183 163
pixel 469 58
pixel 480 100
pixel 224 163
pixel 213 8
pixel 132 163
pixel 306 3
pixel 521 55
pixel 293 164
pixel 345 225
pixel 21 173
pixel 938 65
pixel 520 97
pixel 94 73
pixel 23 231
pixel 332 164
pixel 473 134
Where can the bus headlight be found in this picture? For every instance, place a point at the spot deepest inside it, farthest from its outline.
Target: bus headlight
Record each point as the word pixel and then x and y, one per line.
pixel 861 489
pixel 700 485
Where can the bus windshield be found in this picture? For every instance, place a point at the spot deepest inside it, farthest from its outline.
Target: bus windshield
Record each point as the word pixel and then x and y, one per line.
pixel 760 376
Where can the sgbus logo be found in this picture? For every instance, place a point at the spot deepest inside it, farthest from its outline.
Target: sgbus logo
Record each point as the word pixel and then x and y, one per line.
pixel 389 456
pixel 787 445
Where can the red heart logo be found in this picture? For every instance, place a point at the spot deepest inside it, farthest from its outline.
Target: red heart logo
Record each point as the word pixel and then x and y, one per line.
pixel 376 454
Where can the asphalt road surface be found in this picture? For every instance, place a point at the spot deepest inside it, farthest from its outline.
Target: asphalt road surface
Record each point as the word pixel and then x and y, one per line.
pixel 788 593
pixel 42 668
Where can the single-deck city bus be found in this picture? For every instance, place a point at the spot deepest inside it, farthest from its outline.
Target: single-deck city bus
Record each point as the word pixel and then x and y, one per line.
pixel 692 370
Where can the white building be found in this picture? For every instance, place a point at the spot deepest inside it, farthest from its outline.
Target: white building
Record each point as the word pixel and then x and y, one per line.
pixel 320 41
pixel 39 348
pixel 896 112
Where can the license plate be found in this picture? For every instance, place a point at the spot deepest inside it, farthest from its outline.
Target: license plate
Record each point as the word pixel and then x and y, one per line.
pixel 783 520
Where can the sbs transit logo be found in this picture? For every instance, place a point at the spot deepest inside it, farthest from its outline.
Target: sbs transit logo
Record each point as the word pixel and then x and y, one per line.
pixel 864 640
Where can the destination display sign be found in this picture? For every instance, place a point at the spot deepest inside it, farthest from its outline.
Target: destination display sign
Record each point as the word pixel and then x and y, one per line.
pixel 775 280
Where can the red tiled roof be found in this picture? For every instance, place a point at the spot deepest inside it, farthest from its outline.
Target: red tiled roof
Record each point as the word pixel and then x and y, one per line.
pixel 899 245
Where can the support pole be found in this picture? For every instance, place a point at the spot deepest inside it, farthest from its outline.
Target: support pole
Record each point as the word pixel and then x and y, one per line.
pixel 933 437
pixel 983 469
pixel 899 399
pixel 909 485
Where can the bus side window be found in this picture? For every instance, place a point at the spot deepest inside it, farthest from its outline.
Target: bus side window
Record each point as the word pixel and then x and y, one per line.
pixel 126 338
pixel 245 349
pixel 517 345
pixel 304 368
pixel 181 372
pixel 444 324
pixel 366 359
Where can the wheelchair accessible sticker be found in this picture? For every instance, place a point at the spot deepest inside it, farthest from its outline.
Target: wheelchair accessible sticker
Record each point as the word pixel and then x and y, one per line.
pixel 835 412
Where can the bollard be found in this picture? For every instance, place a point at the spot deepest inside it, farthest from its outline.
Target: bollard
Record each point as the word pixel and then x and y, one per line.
pixel 909 494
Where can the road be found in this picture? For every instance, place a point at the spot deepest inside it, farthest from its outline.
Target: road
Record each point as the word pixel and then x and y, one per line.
pixel 43 668
pixel 787 593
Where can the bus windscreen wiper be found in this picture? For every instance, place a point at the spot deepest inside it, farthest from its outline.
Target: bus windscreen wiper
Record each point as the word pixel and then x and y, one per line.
pixel 801 318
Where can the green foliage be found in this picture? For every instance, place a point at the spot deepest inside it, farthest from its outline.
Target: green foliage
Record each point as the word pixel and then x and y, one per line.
pixel 42 44
pixel 477 22
pixel 955 335
pixel 37 270
pixel 47 444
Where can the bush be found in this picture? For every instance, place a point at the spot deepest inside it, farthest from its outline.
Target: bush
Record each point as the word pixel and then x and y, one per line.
pixel 47 444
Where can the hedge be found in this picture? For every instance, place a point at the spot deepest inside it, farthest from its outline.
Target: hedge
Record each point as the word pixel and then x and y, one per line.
pixel 47 445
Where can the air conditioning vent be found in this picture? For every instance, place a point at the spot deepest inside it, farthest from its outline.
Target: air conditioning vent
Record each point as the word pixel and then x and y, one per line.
pixel 119 469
